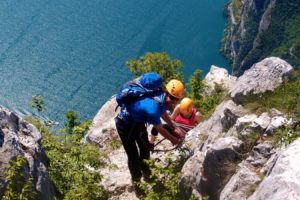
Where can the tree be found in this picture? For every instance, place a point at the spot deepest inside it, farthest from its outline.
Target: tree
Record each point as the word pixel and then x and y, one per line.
pixel 205 104
pixel 196 85
pixel 37 102
pixel 160 63
pixel 72 121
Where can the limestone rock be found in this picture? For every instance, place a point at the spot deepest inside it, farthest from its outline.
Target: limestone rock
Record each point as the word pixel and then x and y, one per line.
pixel 263 121
pixel 201 173
pixel 219 122
pixel 219 77
pixel 260 154
pixel 211 148
pixel 103 128
pixel 282 181
pixel 247 177
pixel 241 183
pixel 276 123
pixel 20 138
pixel 261 77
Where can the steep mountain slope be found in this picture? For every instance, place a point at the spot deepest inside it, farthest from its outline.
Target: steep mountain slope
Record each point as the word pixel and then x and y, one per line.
pixel 260 28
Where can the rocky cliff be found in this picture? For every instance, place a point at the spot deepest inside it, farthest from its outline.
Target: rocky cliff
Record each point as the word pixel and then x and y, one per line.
pixel 19 138
pixel 228 156
pixel 260 28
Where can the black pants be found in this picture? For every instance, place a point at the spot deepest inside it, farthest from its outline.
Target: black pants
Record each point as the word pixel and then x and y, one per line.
pixel 134 138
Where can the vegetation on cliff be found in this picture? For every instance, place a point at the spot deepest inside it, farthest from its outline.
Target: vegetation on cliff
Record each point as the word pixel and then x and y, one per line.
pixel 73 166
pixel 286 99
pixel 244 44
pixel 18 186
pixel 282 38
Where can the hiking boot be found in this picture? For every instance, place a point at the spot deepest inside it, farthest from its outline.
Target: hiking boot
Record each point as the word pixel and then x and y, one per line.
pixel 146 172
pixel 148 178
pixel 139 192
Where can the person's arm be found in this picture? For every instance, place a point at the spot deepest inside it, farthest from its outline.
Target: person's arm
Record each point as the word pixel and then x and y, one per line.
pixel 168 120
pixel 175 112
pixel 167 134
pixel 198 117
pixel 177 130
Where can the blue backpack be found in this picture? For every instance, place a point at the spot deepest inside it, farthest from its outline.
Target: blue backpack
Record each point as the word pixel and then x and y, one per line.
pixel 147 84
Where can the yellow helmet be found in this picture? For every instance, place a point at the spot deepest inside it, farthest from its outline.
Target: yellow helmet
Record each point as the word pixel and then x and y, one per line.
pixel 175 88
pixel 186 106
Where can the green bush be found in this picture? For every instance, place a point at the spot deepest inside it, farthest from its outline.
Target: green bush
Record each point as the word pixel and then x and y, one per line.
pixel 37 102
pixel 285 135
pixel 236 9
pixel 74 166
pixel 160 63
pixel 18 186
pixel 165 180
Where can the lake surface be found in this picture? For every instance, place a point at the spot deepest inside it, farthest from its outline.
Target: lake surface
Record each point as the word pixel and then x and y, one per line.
pixel 73 52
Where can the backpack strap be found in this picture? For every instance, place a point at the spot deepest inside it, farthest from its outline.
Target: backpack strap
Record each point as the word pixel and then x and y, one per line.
pixel 157 99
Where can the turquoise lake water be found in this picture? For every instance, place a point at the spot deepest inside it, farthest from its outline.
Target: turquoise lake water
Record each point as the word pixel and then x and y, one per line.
pixel 72 52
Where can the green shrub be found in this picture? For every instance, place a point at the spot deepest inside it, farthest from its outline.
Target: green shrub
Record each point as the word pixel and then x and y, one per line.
pixel 74 167
pixel 165 180
pixel 18 186
pixel 285 136
pixel 205 104
pixel 209 103
pixel 236 9
pixel 37 102
pixel 160 63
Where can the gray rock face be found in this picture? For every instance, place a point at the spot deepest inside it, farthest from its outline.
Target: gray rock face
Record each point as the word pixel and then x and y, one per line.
pixel 264 23
pixel 222 119
pixel 218 77
pixel 247 176
pixel 203 172
pixel 241 183
pixel 221 163
pixel 116 176
pixel 243 36
pixel 215 143
pixel 282 181
pixel 103 128
pixel 263 76
pixel 20 138
pixel 260 154
pixel 212 147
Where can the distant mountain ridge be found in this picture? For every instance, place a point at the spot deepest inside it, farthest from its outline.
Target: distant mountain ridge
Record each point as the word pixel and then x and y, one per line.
pixel 260 28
